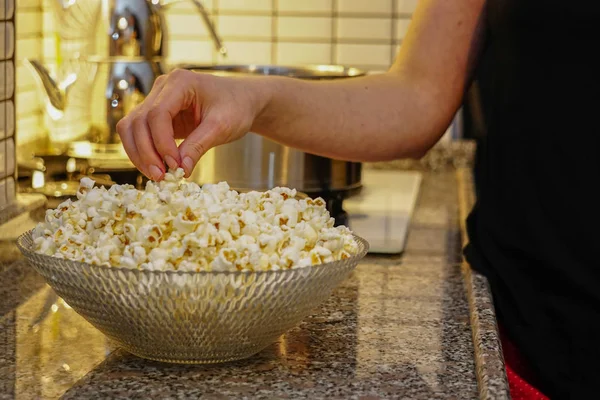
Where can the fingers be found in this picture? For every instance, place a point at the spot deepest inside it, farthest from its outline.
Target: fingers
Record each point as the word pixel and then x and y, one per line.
pixel 126 133
pixel 148 133
pixel 136 139
pixel 150 160
pixel 176 96
pixel 206 136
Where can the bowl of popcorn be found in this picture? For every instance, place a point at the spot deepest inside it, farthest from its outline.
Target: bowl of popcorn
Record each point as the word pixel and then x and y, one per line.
pixel 188 274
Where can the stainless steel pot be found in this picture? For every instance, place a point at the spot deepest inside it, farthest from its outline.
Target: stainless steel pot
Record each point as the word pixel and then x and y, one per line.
pixel 257 163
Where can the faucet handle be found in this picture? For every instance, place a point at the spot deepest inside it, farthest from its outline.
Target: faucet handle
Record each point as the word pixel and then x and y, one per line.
pixel 211 27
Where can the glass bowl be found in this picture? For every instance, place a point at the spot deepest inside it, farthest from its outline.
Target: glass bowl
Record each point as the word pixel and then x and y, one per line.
pixel 190 317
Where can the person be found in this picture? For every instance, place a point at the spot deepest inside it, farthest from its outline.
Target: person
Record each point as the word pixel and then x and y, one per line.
pixel 535 226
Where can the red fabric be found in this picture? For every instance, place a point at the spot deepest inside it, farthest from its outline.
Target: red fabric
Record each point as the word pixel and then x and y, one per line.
pixel 518 374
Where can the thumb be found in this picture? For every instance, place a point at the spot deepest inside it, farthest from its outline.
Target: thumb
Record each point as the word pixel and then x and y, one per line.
pixel 199 141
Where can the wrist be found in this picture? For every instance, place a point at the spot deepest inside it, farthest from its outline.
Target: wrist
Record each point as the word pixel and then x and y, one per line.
pixel 263 92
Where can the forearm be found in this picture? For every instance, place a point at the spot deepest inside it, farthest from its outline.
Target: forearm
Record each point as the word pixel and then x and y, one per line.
pixel 399 114
pixel 373 118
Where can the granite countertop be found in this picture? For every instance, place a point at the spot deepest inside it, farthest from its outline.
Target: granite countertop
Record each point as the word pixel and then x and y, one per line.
pixel 398 327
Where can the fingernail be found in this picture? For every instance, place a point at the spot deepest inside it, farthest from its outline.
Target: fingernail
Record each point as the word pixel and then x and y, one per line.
pixel 188 165
pixel 171 162
pixel 155 172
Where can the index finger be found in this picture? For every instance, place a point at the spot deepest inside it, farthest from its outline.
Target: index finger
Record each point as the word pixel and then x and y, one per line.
pixel 175 96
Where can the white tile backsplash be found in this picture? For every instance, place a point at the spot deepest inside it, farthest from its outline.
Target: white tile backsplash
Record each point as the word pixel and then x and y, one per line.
pixel 24 4
pixel 183 51
pixel 401 28
pixel 249 52
pixel 233 26
pixel 304 27
pixel 364 6
pixel 24 77
pixel 363 54
pixel 364 28
pixel 406 6
pixel 30 128
pixel 305 6
pixel 187 6
pixel 29 48
pixel 29 22
pixel 28 100
pixel 246 5
pixel 48 27
pixel 303 53
pixel 189 24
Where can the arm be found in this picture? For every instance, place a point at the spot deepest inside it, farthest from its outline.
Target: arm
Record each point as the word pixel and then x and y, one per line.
pixel 398 114
pixel 401 113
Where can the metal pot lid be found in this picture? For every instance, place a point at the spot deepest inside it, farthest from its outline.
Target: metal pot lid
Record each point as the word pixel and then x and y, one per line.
pixel 301 72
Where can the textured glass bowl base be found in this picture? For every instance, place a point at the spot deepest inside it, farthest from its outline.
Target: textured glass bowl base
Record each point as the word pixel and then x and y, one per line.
pixel 190 317
pixel 185 360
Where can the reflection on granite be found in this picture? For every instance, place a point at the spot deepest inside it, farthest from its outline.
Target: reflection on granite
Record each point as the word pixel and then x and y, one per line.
pixel 24 202
pixel 398 327
pixel 45 328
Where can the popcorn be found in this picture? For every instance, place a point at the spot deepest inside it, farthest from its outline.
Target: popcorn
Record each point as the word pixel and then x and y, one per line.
pixel 178 225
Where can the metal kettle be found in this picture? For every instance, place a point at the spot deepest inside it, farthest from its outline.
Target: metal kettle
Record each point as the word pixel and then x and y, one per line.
pixel 100 93
pixel 97 91
pixel 137 28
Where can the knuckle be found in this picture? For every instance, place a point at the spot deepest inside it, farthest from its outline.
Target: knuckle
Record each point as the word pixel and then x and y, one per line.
pixel 197 148
pixel 178 73
pixel 137 122
pixel 220 125
pixel 123 126
pixel 154 113
pixel 159 80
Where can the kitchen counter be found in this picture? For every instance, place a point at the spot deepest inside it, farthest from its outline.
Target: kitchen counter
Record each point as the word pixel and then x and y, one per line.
pixel 419 325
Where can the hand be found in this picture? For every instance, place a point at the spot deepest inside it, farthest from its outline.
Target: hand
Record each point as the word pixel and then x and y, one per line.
pixel 203 109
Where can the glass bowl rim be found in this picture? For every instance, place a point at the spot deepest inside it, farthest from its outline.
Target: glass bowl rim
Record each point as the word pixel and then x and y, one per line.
pixel 29 253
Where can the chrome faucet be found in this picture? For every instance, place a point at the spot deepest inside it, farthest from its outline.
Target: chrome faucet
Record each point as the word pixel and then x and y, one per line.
pixel 138 28
pixel 218 43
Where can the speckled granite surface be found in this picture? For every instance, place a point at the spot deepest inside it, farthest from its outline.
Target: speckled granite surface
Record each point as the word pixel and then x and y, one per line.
pixel 399 327
pixel 489 361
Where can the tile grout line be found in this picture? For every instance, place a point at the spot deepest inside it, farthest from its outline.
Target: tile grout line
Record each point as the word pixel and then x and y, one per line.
pixel 333 52
pixel 288 39
pixel 274 27
pixel 334 14
pixel 394 25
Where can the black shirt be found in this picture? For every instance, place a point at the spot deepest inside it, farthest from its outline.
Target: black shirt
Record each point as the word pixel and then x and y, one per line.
pixel 535 229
